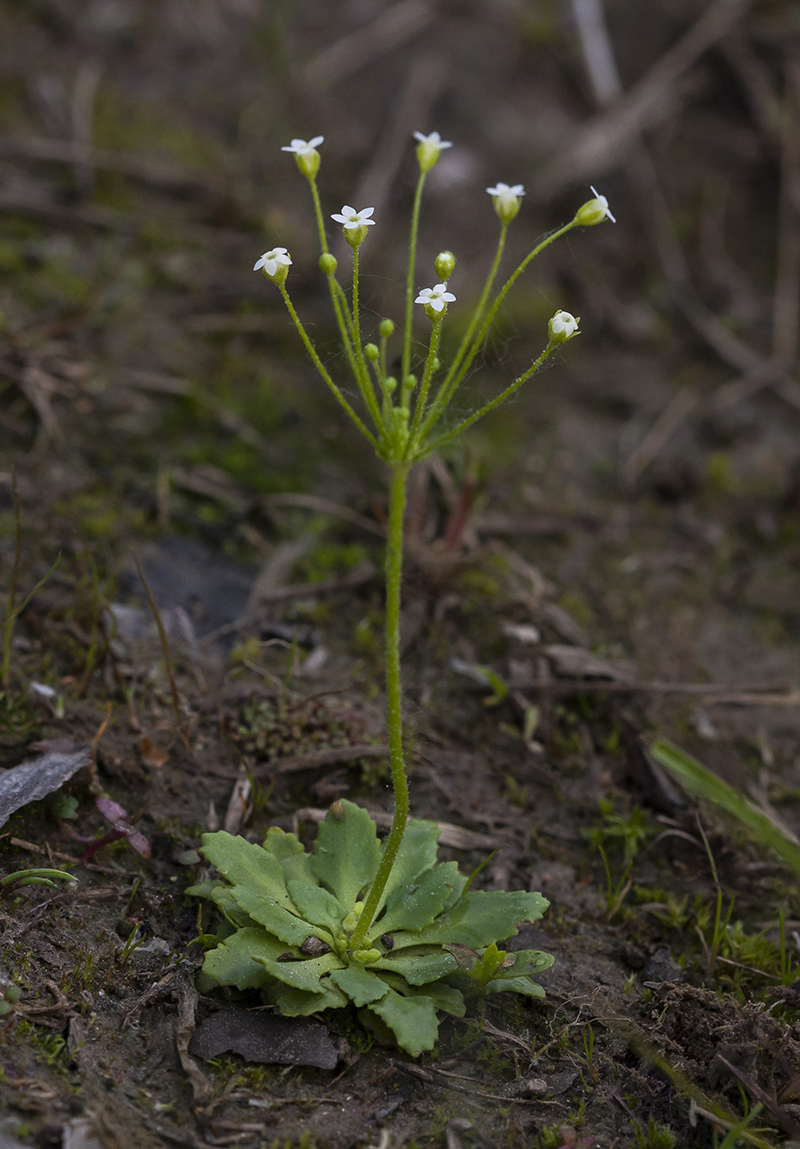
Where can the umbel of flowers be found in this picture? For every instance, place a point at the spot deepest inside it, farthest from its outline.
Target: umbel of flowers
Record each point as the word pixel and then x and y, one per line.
pixel 379 924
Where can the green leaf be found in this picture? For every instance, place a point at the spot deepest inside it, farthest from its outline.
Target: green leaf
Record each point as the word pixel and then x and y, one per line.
pixel 244 863
pixel 479 918
pixel 233 913
pixel 346 852
pixel 295 862
pixel 285 925
pixel 300 1003
pixel 361 985
pixel 414 906
pixel 204 889
pixel 698 780
pixel 304 975
pixel 412 1020
pixel 236 960
pixel 418 968
pixel 417 854
pixel 515 985
pixel 446 998
pixel 528 963
pixel 317 905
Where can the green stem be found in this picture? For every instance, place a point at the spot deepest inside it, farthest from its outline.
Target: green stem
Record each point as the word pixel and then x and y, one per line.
pixel 450 386
pixel 412 263
pixel 363 377
pixel 422 397
pixel 394 711
pixel 323 239
pixel 477 315
pixel 490 406
pixel 320 367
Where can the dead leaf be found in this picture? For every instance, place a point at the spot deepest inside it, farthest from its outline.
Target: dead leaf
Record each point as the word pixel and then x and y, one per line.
pixel 575 662
pixel 264 1038
pixel 34 780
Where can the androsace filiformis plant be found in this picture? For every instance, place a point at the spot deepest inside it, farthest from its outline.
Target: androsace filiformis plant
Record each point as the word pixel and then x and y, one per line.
pixel 382 924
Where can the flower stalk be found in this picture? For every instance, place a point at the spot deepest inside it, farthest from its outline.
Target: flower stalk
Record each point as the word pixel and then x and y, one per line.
pixel 401 439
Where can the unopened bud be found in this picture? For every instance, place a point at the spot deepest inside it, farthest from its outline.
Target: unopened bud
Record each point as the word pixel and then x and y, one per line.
pixel 594 211
pixel 391 384
pixel 372 353
pixel 386 328
pixel 328 263
pixel 562 327
pixel 409 383
pixel 444 263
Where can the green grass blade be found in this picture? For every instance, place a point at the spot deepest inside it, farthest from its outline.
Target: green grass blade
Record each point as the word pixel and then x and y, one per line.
pixel 700 781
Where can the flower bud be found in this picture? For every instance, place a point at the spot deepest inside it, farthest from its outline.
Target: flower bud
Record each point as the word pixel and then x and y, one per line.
pixel 444 263
pixel 594 211
pixel 386 328
pixel 409 383
pixel 507 200
pixel 562 327
pixel 328 263
pixel 391 384
pixel 429 148
pixel 371 352
pixel 306 154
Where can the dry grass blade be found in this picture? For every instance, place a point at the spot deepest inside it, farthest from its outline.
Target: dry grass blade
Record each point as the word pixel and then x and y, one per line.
pixel 679 408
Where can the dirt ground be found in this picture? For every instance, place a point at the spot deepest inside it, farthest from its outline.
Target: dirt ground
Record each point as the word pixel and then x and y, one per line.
pixel 619 547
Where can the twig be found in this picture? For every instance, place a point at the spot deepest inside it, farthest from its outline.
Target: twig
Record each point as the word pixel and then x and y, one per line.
pixel 326 507
pixel 397 24
pixel 612 134
pixel 94 785
pixel 784 1119
pixel 679 408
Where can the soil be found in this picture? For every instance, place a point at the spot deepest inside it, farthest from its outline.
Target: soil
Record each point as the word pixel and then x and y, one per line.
pixel 619 547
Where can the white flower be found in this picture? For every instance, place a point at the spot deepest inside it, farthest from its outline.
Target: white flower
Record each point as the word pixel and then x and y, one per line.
pixel 434 140
pixel 435 297
pixel 562 327
pixel 429 148
pixel 271 260
pixel 602 202
pixel 303 147
pixel 507 200
pixel 504 191
pixel 349 218
pixel 594 211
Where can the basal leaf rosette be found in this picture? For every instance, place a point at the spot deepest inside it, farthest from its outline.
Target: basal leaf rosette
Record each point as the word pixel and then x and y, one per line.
pixel 288 916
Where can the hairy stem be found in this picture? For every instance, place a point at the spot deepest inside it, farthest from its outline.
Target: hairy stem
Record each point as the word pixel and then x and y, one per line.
pixel 394 709
pixel 412 264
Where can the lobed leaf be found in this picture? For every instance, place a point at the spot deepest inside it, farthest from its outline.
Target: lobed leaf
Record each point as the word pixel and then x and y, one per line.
pixel 418 967
pixel 515 985
pixel 479 918
pixel 246 864
pixel 346 852
pixel 361 985
pixel 235 961
pixel 295 862
pixel 412 1020
pixel 299 1003
pixel 414 906
pixel 317 905
pixel 304 975
pixel 417 854
pixel 279 921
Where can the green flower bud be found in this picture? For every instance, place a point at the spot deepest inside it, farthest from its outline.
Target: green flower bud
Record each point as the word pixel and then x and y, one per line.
pixel 409 383
pixel 328 263
pixel 444 263
pixel 391 385
pixel 594 211
pixel 429 149
pixel 386 328
pixel 372 353
pixel 306 154
pixel 507 200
